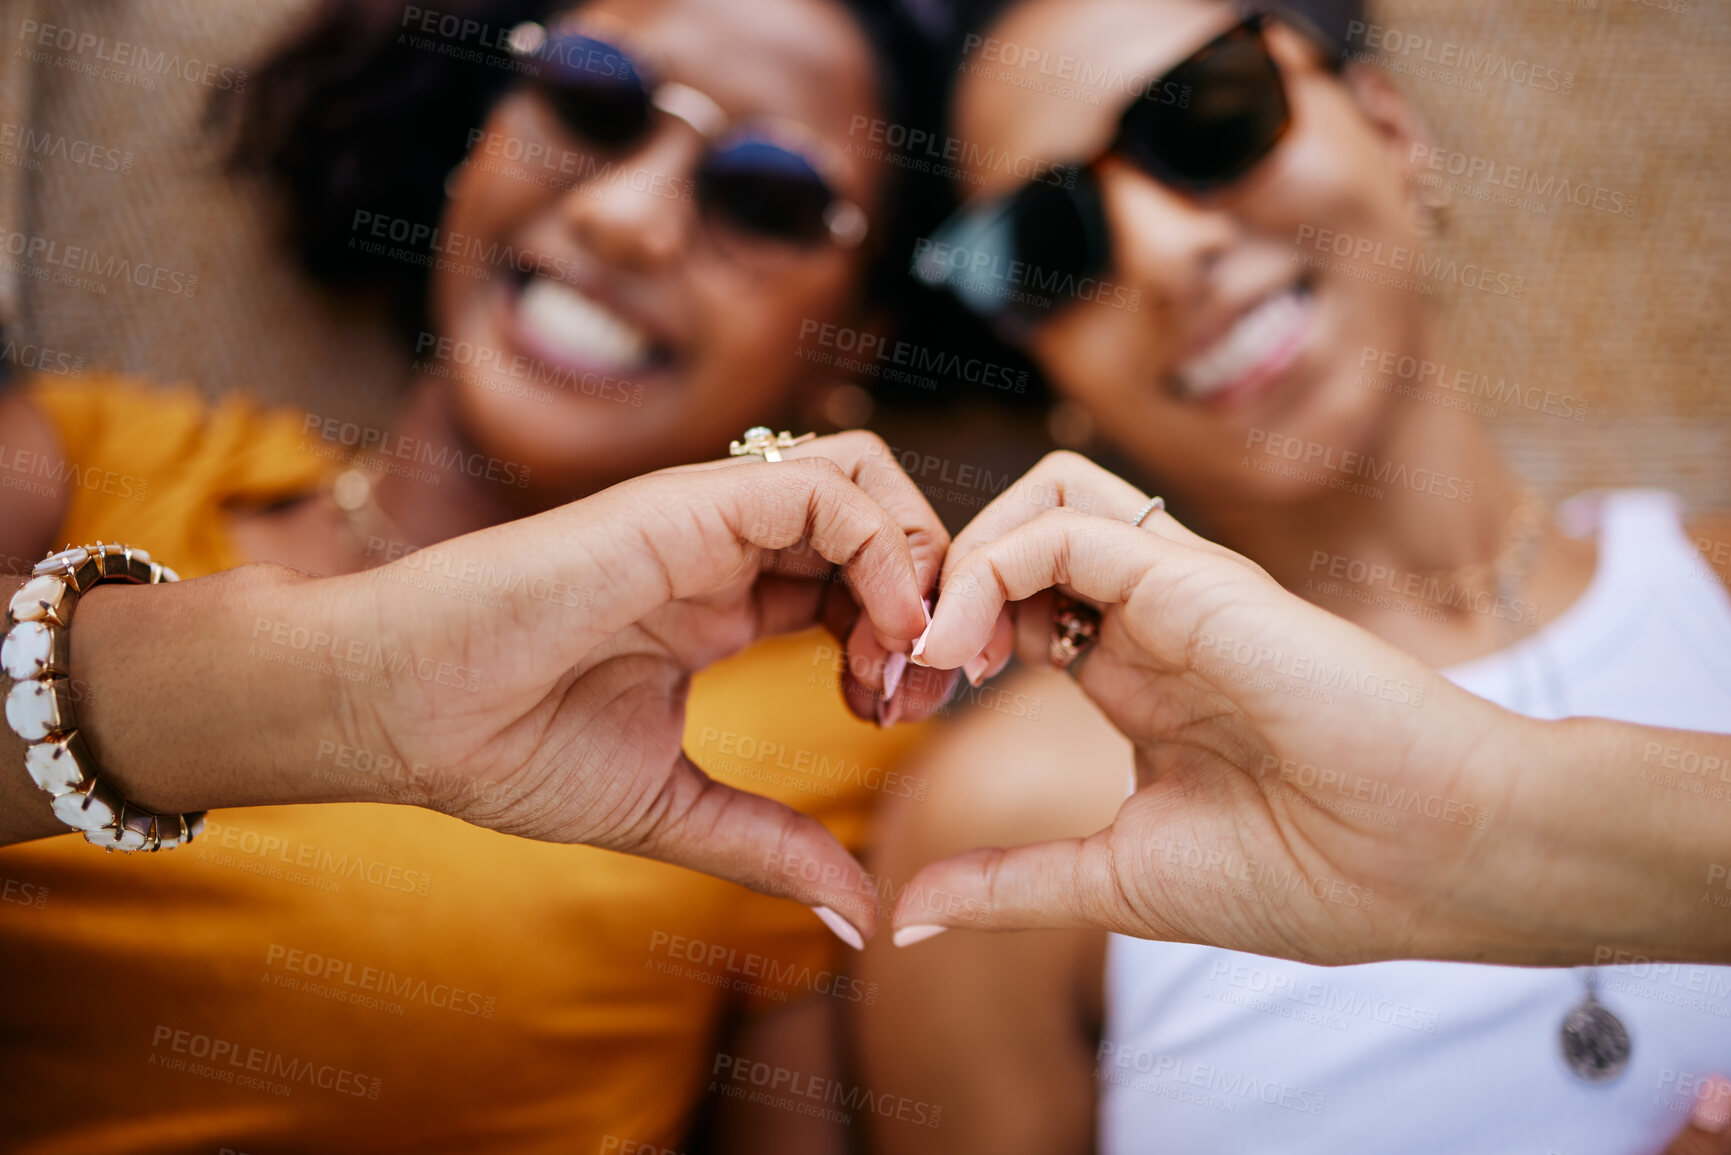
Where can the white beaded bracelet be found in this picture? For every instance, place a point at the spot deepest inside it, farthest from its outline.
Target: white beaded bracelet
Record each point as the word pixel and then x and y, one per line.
pixel 36 656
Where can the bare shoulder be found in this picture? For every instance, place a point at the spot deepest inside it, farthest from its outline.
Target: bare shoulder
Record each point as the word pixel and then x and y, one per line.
pixel 30 514
pixel 1026 759
pixel 1711 534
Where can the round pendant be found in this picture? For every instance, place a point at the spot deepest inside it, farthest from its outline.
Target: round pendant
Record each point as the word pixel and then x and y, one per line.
pixel 1595 1042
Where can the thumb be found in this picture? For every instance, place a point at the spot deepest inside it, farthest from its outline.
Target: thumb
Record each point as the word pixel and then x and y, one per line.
pixel 759 843
pixel 1066 884
pixel 1709 1129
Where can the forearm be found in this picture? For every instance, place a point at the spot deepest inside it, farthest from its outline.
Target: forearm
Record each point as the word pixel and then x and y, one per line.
pixel 1608 853
pixel 185 701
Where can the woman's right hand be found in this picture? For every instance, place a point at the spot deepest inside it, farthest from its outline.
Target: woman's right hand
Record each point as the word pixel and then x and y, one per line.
pixel 1302 788
pixel 534 674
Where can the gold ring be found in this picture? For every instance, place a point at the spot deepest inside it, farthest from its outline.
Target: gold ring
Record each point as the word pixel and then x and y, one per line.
pixel 760 442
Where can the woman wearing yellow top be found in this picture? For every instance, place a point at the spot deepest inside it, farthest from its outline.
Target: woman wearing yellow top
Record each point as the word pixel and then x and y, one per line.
pixel 369 977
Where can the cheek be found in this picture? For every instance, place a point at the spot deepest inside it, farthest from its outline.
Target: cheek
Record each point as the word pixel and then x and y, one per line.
pixel 1333 173
pixel 1340 198
pixel 485 210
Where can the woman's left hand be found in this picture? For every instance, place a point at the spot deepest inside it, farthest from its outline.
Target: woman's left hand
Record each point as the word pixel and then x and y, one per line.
pixel 581 711
pixel 541 666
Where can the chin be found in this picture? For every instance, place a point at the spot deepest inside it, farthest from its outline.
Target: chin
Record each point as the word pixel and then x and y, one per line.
pixel 557 441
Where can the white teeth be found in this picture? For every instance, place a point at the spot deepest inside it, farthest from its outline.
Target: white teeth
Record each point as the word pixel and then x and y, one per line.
pixel 1257 336
pixel 576 326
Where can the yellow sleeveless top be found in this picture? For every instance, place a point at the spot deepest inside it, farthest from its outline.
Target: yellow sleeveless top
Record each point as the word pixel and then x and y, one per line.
pixel 361 977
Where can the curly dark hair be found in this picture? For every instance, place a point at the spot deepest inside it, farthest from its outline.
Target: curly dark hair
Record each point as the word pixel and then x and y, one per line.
pixel 364 110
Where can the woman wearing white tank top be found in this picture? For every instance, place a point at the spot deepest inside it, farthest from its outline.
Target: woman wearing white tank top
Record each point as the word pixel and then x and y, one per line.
pixel 1261 349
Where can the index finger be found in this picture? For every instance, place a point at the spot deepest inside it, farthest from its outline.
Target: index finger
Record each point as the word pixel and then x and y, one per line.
pixel 870 464
pixel 867 460
pixel 1060 480
pixel 1100 559
pixel 875 671
pixel 1066 480
pixel 815 500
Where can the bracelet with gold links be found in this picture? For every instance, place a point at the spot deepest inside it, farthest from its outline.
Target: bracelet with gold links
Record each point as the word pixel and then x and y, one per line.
pixel 36 656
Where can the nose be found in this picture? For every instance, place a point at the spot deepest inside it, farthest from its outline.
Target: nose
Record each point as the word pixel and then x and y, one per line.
pixel 1161 239
pixel 638 211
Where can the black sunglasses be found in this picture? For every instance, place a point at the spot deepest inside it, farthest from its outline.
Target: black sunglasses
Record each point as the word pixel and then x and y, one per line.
pixel 1199 128
pixel 754 179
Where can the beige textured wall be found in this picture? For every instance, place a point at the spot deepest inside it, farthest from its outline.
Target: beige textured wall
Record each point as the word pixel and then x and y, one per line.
pixel 253 323
pixel 1627 312
pixel 1630 313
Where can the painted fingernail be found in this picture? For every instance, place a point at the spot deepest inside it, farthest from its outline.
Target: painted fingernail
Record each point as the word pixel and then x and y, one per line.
pixel 1713 1106
pixel 918 657
pixel 894 668
pixel 909 935
pixel 842 927
pixel 998 667
pixel 889 712
pixel 926 605
pixel 975 669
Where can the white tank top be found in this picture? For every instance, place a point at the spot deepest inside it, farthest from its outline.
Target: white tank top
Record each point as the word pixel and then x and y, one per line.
pixel 1231 1052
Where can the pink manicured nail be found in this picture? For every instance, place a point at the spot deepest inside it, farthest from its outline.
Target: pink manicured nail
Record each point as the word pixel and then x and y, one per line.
pixel 894 668
pixel 843 928
pixel 920 642
pixel 918 656
pixel 909 935
pixel 1713 1106
pixel 975 669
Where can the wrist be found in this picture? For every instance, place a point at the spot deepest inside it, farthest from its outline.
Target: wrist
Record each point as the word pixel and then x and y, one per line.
pixel 182 706
pixel 1518 889
pixel 1594 863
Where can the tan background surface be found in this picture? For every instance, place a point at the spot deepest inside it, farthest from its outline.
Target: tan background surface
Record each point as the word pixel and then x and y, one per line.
pixel 253 324
pixel 1628 313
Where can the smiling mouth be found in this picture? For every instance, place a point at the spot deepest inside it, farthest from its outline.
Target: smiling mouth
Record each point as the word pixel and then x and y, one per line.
pixel 568 327
pixel 1258 347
